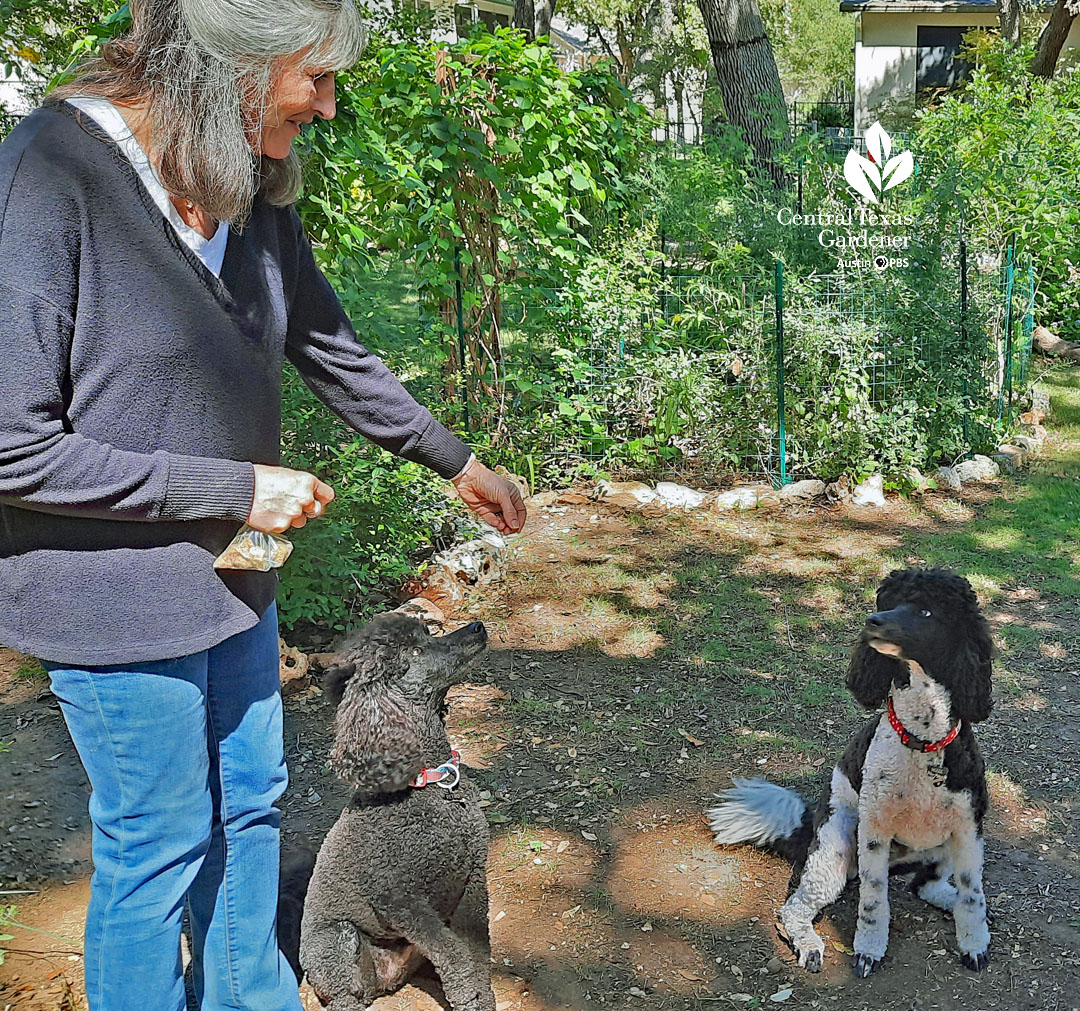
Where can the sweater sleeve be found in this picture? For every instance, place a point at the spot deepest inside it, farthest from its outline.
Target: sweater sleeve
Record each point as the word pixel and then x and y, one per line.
pixel 353 382
pixel 47 466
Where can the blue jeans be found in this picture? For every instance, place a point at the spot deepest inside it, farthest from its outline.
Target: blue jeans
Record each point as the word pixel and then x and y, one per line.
pixel 186 761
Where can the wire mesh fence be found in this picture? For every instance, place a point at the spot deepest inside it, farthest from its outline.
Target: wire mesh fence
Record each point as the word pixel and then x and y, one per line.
pixel 715 379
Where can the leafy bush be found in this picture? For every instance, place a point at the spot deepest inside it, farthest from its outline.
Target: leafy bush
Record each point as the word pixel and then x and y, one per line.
pixel 385 518
pixel 1002 154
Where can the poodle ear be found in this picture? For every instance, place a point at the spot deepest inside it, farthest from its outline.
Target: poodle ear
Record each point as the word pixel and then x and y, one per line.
pixel 336 680
pixel 377 742
pixel 970 688
pixel 870 675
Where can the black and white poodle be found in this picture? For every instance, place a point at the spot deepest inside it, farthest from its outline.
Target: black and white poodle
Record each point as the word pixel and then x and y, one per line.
pixel 402 875
pixel 909 793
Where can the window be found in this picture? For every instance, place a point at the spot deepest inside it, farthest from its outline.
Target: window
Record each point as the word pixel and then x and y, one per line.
pixel 939 64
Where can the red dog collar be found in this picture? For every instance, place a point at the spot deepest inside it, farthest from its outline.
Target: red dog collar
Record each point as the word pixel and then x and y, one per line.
pixel 445 776
pixel 909 740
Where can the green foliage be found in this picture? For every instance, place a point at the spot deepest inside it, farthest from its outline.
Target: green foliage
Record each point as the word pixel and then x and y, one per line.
pixel 475 162
pixel 813 41
pixel 40 39
pixel 383 521
pixel 1003 154
pixel 431 139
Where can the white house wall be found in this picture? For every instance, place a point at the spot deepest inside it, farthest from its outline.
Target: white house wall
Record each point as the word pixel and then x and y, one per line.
pixel 886 55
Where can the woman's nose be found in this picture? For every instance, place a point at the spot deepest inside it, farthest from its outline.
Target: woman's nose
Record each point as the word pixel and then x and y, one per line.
pixel 324 103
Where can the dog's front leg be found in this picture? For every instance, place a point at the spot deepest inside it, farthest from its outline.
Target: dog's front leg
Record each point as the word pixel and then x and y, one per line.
pixel 823 879
pixel 972 931
pixel 449 953
pixel 333 956
pixel 470 922
pixel 872 932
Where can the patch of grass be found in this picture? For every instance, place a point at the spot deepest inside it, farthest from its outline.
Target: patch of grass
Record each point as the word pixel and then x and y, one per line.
pixel 1029 535
pixel 30 670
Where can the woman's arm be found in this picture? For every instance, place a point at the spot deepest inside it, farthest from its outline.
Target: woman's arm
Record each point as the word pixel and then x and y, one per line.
pixel 353 382
pixel 359 388
pixel 47 466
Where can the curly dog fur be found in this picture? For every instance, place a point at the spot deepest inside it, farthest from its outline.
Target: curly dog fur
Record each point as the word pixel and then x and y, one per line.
pixel 890 805
pixel 402 875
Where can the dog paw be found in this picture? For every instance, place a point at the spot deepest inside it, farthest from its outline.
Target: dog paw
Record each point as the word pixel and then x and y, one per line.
pixel 813 961
pixel 976 962
pixel 864 965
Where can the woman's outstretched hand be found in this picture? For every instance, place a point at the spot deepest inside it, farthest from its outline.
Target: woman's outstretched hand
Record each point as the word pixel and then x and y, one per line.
pixel 286 498
pixel 494 499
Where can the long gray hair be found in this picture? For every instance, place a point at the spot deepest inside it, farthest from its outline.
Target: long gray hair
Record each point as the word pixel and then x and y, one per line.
pixel 203 70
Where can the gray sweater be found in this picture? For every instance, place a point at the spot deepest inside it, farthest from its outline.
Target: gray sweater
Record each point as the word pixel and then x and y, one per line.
pixel 136 391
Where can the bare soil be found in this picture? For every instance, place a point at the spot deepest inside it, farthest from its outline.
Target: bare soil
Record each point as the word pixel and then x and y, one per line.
pixel 637 663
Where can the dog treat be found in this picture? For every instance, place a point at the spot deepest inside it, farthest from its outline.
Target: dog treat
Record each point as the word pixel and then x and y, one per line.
pixel 253 549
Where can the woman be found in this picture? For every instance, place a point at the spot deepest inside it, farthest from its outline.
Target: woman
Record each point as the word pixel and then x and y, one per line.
pixel 155 276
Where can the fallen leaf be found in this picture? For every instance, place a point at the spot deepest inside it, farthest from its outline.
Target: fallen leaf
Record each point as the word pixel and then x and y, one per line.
pixel 695 976
pixel 563 846
pixel 691 738
pixel 499 915
pixel 843 948
pixel 781 995
pixel 588 835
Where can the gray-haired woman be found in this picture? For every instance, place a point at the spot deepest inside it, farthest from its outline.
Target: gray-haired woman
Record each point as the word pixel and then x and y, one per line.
pixel 155 276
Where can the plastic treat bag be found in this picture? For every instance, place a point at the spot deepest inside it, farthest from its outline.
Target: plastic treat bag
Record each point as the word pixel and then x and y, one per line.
pixel 254 550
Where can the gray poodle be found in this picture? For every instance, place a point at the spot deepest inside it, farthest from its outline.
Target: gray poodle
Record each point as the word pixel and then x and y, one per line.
pixel 402 875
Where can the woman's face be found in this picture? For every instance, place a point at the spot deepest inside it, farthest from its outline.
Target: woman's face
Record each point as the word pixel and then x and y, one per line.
pixel 299 94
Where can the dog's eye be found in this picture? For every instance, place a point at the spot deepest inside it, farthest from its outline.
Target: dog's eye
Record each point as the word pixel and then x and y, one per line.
pixel 925 613
pixel 417 651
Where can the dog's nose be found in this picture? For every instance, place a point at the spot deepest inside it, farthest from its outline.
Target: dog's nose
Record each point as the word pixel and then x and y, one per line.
pixel 877 619
pixel 476 627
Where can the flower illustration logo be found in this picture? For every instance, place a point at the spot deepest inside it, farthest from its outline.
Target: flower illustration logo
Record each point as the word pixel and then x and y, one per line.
pixel 871 176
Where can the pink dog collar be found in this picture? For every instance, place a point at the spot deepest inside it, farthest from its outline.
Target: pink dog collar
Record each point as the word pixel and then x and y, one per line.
pixel 445 776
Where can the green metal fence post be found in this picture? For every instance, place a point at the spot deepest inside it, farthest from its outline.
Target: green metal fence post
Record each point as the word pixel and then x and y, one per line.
pixel 780 412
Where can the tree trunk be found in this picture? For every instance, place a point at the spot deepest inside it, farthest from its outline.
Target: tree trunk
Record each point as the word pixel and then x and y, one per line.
pixel 1050 344
pixel 626 54
pixel 525 17
pixel 545 11
pixel 748 77
pixel 1010 18
pixel 1053 36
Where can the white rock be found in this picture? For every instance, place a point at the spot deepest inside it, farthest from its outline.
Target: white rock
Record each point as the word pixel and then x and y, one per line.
pixel 839 490
pixel 803 489
pixel 915 479
pixel 626 494
pixel 429 613
pixel 1040 401
pixel 871 492
pixel 736 498
pixel 677 496
pixel 978 468
pixel 947 477
pixel 477 561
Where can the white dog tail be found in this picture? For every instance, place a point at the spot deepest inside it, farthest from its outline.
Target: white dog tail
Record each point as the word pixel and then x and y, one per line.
pixel 763 814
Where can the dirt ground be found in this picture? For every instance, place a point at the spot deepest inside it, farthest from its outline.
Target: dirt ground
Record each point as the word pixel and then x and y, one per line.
pixel 636 664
